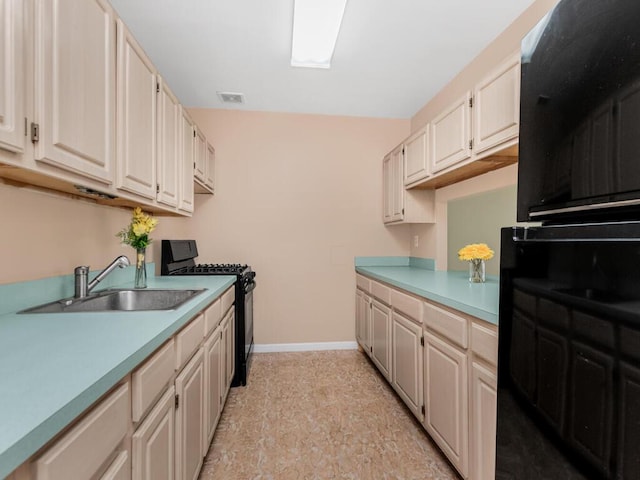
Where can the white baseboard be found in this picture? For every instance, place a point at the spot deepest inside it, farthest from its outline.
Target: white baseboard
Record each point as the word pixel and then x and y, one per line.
pixel 303 347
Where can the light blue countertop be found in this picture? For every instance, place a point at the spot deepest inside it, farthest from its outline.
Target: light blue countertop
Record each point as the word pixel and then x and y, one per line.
pixel 451 288
pixel 54 366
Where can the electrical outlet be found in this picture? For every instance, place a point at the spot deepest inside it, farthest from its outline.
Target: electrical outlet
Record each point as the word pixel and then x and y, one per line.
pixel 416 241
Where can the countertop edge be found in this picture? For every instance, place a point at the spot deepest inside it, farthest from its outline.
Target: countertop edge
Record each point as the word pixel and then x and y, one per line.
pixel 429 295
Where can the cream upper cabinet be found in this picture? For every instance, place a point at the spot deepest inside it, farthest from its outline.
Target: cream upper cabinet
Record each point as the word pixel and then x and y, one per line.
pixel 407 361
pixel 200 160
pixel 401 205
pixel 416 158
pixel 209 179
pixel 168 112
pixel 75 86
pixel 136 139
pixel 451 134
pixel 445 397
pixel 186 158
pixel 393 186
pixel 496 106
pixel 12 76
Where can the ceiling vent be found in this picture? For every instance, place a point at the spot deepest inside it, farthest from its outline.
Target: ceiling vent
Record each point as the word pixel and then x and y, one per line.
pixel 231 97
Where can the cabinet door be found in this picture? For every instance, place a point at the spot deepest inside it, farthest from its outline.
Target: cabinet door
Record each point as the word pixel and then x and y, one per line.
pixel 11 76
pixel 168 158
pixel 445 395
pixel 363 316
pixel 75 86
pixel 213 363
pixel 186 159
pixel 451 135
pixel 496 106
pixel 590 423
pixel 137 90
pixel 628 420
pixel 200 166
pixel 393 186
pixel 153 443
pixel 407 362
pixel 381 337
pixel 209 181
pixel 482 444
pixel 416 151
pixel 189 419
pixel 229 328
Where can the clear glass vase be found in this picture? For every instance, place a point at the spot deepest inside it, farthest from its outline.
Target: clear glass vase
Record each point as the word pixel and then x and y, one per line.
pixel 476 271
pixel 141 269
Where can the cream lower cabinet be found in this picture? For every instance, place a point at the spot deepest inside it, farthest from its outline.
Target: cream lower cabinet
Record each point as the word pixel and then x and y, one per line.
pixel 407 361
pixel 446 399
pixel 442 364
pixel 154 442
pixel 381 337
pixel 363 320
pixel 213 367
pixel 228 333
pixel 190 418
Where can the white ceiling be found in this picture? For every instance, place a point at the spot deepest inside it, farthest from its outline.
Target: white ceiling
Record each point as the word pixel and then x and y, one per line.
pixel 391 57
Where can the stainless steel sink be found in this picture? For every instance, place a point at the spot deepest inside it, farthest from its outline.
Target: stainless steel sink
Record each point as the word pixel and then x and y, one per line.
pixel 116 300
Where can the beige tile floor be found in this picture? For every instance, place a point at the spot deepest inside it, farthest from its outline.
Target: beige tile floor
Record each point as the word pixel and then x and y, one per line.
pixel 319 415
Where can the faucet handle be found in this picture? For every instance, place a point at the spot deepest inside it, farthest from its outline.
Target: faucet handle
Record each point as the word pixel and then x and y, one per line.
pixel 81 282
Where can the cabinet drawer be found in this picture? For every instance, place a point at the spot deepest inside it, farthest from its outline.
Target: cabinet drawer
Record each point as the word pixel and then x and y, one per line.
pixel 212 316
pixel 82 450
pixel 446 324
pixel 148 381
pixel 188 340
pixel 411 306
pixel 484 342
pixel 227 299
pixel 363 283
pixel 381 291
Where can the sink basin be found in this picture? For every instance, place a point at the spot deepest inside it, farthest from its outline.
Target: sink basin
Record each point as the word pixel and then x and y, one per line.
pixel 119 301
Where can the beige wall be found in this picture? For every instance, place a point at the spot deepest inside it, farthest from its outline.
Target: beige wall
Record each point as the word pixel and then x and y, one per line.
pixel 45 235
pixel 297 197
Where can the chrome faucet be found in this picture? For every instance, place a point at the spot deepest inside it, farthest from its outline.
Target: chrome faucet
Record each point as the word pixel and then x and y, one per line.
pixel 82 284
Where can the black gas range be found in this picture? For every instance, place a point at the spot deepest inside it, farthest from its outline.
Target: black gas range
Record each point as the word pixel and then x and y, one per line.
pixel 178 258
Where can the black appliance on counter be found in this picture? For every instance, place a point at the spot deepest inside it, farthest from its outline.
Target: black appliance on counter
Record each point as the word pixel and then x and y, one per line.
pixel 569 326
pixel 178 258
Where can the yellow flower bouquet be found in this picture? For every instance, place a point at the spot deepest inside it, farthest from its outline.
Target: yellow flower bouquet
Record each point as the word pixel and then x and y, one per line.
pixel 475 251
pixel 476 254
pixel 137 232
